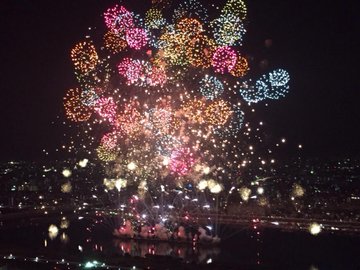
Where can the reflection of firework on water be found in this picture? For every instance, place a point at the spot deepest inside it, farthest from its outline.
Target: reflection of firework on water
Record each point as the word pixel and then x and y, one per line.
pixel 245 193
pixel 53 231
pixel 165 112
pixel 66 188
pixel 315 228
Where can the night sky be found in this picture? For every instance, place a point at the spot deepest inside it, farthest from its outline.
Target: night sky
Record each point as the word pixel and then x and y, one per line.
pixel 315 41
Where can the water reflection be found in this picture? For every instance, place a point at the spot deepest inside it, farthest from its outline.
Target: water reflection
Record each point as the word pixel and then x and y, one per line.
pixel 64 238
pixel 199 254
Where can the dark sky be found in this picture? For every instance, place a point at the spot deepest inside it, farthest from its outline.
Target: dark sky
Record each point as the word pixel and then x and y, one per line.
pixel 314 40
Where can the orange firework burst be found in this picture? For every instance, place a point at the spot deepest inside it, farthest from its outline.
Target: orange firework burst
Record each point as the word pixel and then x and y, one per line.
pixel 74 108
pixel 189 28
pixel 194 110
pixel 84 57
pixel 241 67
pixel 114 42
pixel 218 112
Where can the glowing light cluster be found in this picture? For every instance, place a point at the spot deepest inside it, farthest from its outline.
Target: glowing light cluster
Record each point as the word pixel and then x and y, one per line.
pixel 194 110
pixel 129 121
pixel 89 97
pixel 189 28
pixel 236 123
pixel 141 73
pixel 131 69
pixel 279 83
pixel 173 45
pixel 200 51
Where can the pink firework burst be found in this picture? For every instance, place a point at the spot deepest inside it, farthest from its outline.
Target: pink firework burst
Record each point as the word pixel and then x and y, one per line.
pixel 109 140
pixel 131 69
pixel 224 59
pixel 136 38
pixel 124 65
pixel 106 108
pixel 118 19
pixel 181 161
